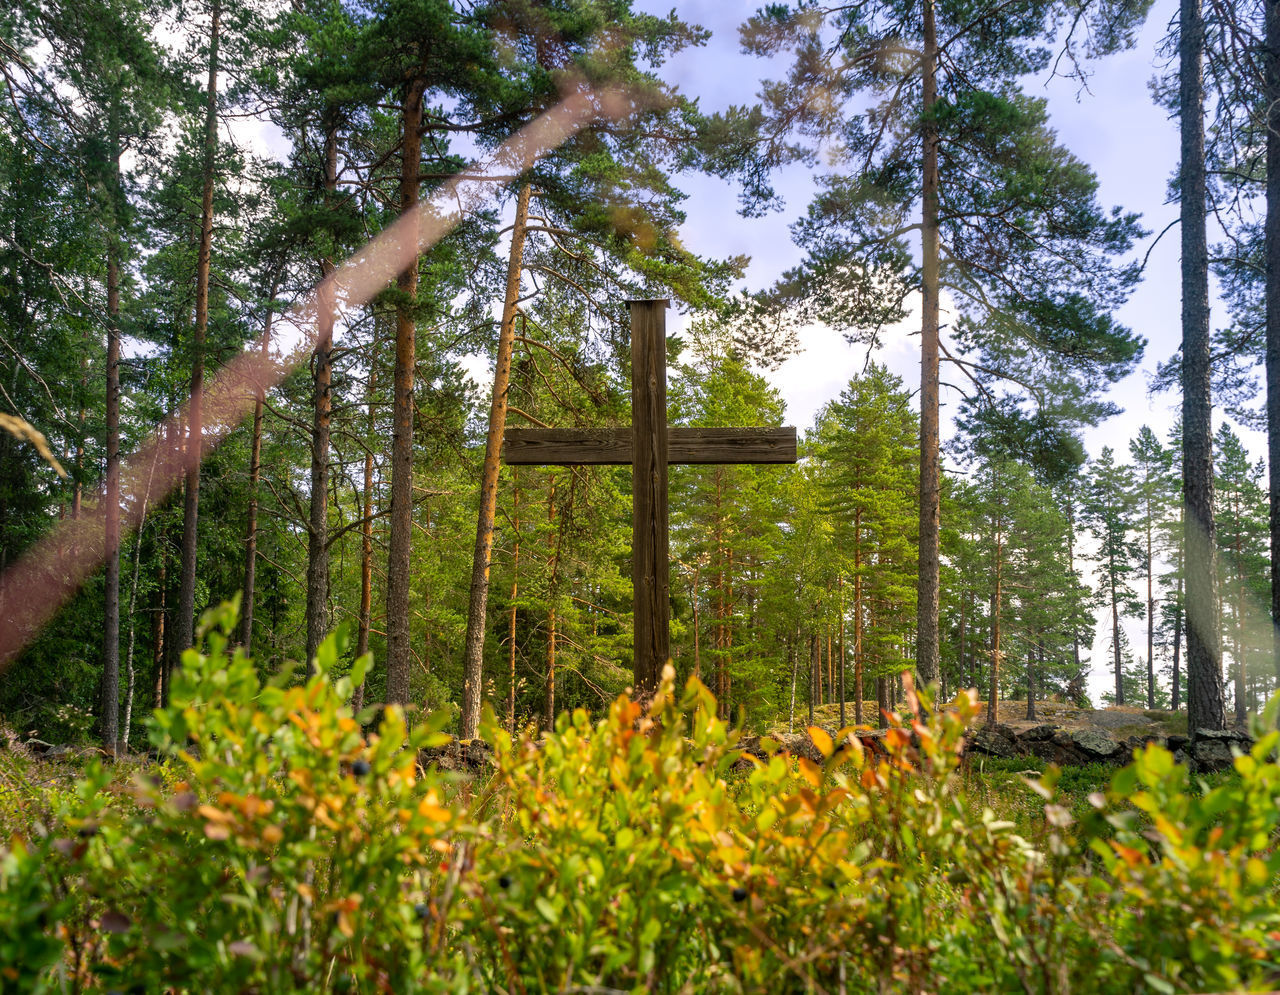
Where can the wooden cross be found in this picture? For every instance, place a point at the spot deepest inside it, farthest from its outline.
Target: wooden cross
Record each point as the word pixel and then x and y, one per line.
pixel 648 446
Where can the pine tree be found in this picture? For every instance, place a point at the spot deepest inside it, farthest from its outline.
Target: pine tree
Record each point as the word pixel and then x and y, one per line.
pixel 1108 511
pixel 1154 498
pixel 1027 256
pixel 1241 535
pixel 865 441
pixel 1206 707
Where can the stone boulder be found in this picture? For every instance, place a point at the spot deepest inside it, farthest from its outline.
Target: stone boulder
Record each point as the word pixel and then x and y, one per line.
pixel 993 741
pixel 1211 749
pixel 1098 746
pixel 467 756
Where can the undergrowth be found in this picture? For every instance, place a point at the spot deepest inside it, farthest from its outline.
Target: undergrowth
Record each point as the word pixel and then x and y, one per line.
pixel 278 846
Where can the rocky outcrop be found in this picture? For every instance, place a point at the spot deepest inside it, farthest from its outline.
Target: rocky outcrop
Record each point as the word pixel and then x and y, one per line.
pixel 1203 751
pixel 468 756
pixel 1065 747
pixel 1211 749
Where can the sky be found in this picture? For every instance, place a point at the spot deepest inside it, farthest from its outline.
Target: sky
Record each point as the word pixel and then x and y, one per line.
pixel 1114 127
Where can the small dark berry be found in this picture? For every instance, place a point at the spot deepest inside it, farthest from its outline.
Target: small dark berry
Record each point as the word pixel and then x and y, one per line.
pixel 739 894
pixel 360 768
pixel 422 910
pixel 504 881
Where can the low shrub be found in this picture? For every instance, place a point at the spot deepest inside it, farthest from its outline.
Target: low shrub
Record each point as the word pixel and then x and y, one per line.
pixel 279 847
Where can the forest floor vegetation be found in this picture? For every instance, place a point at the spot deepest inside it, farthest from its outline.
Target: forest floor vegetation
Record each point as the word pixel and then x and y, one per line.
pixel 282 842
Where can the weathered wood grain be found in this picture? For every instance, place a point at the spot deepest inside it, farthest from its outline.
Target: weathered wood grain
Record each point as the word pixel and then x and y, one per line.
pixel 650 556
pixel 613 447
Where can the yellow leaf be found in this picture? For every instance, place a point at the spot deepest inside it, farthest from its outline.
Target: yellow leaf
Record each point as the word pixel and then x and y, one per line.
pixel 821 740
pixel 811 772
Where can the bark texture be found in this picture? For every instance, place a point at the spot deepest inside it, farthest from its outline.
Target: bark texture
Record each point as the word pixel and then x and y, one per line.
pixel 1271 236
pixel 322 406
pixel 1206 707
pixel 929 579
pixel 110 703
pixel 399 652
pixel 195 429
pixel 477 606
pixel 255 475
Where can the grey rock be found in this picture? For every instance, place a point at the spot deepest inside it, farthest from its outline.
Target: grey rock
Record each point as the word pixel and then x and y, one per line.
pixel 1211 749
pixel 1096 744
pixel 1209 755
pixel 1037 734
pixel 992 742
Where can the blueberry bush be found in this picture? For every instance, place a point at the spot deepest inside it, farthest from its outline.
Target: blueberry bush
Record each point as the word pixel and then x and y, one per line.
pixel 283 843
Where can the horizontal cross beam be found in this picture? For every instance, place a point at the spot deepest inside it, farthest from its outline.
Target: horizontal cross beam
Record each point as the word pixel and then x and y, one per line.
pixel 613 446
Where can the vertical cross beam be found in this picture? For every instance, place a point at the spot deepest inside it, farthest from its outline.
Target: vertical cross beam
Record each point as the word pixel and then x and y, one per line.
pixel 650 554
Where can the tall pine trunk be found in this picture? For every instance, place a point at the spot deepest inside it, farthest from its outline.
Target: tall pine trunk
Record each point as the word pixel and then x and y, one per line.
pixel 322 361
pixel 110 691
pixel 929 578
pixel 997 598
pixel 1206 706
pixel 1151 616
pixel 401 539
pixel 365 621
pixel 840 649
pixel 515 591
pixel 1031 683
pixel 195 427
pixel 1271 97
pixel 1115 631
pixel 255 475
pixel 473 651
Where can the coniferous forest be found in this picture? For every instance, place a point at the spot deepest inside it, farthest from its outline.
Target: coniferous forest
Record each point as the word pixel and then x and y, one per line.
pixel 304 686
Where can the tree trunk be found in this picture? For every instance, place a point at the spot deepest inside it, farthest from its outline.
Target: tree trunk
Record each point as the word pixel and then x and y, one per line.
pixel 365 622
pixel 927 653
pixel 549 710
pixel 1031 683
pixel 1241 689
pixel 255 475
pixel 401 539
pixel 831 674
pixel 815 672
pixel 795 674
pixel 549 703
pixel 1175 696
pixel 317 610
pixel 473 653
pixel 515 590
pixel 133 606
pixel 1271 99
pixel 1151 617
pixel 195 427
pixel 840 652
pixel 110 703
pixel 997 598
pixel 857 630
pixel 1115 630
pixel 1206 706
pixel 157 637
